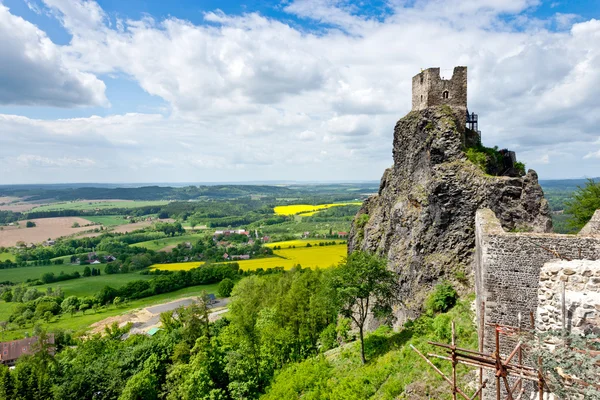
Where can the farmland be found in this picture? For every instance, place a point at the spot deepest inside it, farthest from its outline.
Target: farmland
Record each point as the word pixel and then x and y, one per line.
pixel 307 210
pixel 93 284
pixel 312 257
pixel 7 256
pixel 45 228
pixel 21 274
pixel 98 204
pixel 160 244
pixel 108 220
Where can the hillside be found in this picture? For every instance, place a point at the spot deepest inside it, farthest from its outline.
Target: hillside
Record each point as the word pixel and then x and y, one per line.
pixel 422 219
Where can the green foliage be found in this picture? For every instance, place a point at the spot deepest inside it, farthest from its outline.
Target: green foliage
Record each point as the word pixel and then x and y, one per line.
pixel 363 284
pixel 520 167
pixel 225 287
pixel 442 298
pixel 586 200
pixel 30 224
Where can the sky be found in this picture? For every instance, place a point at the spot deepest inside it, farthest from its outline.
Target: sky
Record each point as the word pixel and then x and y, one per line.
pixel 305 90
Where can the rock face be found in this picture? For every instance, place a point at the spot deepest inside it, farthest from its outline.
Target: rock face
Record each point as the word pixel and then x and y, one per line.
pixel 423 218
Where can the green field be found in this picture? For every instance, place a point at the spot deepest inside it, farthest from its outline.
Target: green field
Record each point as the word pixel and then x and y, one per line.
pixel 92 205
pixel 7 256
pixel 158 244
pixel 24 273
pixel 79 323
pixel 108 220
pixel 91 285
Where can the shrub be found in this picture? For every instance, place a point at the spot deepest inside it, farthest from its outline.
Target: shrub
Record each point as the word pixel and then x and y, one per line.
pixel 519 166
pixel 30 224
pixel 442 299
pixel 225 287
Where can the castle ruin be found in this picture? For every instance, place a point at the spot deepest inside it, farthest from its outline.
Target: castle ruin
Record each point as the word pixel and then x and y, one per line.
pixel 430 90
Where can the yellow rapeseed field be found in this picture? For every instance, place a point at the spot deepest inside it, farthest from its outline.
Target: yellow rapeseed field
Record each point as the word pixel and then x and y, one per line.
pixel 316 256
pixel 302 243
pixel 307 209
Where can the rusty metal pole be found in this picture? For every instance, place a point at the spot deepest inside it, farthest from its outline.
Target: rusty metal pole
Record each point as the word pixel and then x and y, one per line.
pixel 497 361
pixel 481 343
pixel 453 363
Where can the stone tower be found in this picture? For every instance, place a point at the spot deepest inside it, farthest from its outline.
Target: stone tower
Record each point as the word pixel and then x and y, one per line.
pixel 429 89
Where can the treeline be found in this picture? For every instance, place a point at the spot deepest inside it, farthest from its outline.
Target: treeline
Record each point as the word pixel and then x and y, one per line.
pixel 134 211
pixel 43 192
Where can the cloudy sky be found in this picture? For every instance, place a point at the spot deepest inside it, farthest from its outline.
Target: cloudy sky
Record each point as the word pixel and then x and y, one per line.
pixel 216 90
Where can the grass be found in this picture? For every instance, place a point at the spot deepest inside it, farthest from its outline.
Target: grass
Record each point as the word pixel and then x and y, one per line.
pixel 301 243
pixel 92 205
pixel 22 274
pixel 158 244
pixel 108 220
pixel 306 210
pixel 7 256
pixel 79 323
pixel 313 257
pixel 391 364
pixel 91 285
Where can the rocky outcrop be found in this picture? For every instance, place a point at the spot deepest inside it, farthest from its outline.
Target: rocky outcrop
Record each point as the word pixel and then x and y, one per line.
pixel 423 218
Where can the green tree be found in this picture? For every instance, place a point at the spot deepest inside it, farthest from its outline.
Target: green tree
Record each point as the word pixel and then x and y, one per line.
pixel 363 284
pixel 30 224
pixel 87 271
pixel 225 287
pixel 586 200
pixel 70 305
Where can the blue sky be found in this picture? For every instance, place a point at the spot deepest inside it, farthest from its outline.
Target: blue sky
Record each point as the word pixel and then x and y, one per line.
pixel 145 91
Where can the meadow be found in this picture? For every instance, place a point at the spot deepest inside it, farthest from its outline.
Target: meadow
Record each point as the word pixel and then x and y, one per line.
pixel 306 210
pixel 159 244
pixel 45 229
pixel 79 322
pixel 97 204
pixel 91 285
pixel 7 257
pixel 21 274
pixel 108 220
pixel 307 257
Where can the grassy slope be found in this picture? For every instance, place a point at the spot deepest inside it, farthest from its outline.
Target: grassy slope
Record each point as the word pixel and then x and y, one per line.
pixel 392 365
pixel 91 205
pixel 93 284
pixel 161 243
pixel 79 323
pixel 108 220
pixel 7 256
pixel 24 273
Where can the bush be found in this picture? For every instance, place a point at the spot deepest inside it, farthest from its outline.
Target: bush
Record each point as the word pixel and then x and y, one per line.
pixel 442 299
pixel 225 287
pixel 30 224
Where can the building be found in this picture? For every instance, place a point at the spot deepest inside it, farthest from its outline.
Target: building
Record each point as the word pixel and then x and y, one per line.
pixel 11 351
pixel 241 257
pixel 429 89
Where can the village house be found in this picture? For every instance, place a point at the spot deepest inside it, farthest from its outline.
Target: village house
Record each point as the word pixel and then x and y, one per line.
pixel 11 351
pixel 241 257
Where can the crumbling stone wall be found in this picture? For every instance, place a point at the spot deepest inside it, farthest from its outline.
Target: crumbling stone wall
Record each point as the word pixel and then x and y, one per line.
pixel 507 269
pixel 429 89
pixel 580 280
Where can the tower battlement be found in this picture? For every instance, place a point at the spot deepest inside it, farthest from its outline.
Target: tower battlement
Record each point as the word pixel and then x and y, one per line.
pixel 429 89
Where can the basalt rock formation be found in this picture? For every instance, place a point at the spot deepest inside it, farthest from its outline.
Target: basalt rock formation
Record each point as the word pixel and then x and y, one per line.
pixel 423 218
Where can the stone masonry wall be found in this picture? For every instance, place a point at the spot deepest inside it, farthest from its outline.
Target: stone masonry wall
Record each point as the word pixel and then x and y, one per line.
pixel 428 88
pixel 507 273
pixel 581 282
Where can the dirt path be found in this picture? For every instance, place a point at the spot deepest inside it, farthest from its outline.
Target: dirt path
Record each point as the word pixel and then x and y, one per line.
pixel 147 318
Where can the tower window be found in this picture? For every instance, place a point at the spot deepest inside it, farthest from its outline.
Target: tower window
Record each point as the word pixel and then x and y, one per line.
pixel 421 79
pixel 421 97
pixel 445 94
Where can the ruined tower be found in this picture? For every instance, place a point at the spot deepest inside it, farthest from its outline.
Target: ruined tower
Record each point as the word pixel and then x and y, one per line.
pixel 429 89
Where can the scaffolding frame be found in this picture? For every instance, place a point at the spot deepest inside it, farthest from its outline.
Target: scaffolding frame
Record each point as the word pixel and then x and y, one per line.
pixel 503 367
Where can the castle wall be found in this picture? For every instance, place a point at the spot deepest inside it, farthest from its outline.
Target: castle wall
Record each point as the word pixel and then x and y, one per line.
pixel 581 282
pixel 507 270
pixel 428 89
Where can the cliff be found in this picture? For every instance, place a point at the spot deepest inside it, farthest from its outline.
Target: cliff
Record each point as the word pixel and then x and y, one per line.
pixel 423 218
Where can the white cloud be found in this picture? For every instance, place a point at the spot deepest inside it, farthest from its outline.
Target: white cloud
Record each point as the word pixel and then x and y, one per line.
pixel 253 97
pixel 28 160
pixel 34 72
